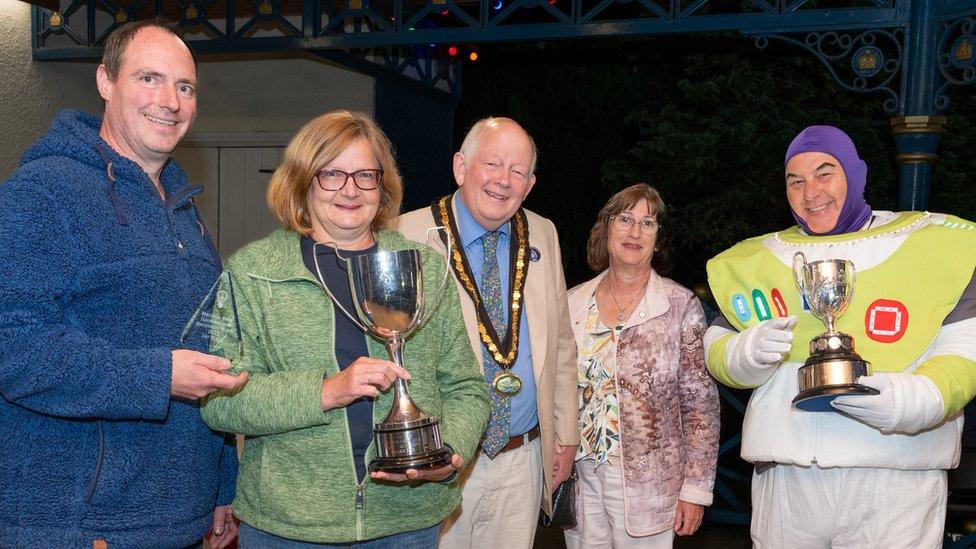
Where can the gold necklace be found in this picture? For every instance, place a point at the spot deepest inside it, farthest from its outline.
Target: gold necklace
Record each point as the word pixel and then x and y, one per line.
pixel 503 349
pixel 613 295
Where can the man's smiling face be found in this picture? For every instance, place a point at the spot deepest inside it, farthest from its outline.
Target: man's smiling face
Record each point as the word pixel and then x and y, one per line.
pixel 497 177
pixel 816 187
pixel 151 103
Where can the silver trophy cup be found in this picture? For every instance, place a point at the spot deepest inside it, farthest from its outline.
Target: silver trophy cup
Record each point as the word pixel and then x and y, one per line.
pixel 833 366
pixel 388 294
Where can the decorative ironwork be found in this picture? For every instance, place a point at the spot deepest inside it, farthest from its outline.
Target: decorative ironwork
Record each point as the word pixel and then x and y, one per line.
pixel 867 61
pixel 957 61
pixel 860 61
pixel 356 24
pixel 423 64
pixel 408 36
pixel 79 31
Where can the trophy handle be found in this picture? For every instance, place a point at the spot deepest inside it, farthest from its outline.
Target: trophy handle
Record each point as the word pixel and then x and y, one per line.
pixel 318 271
pixel 799 262
pixel 433 303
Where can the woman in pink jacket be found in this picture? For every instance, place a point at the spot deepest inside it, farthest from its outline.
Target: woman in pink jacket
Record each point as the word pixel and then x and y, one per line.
pixel 649 412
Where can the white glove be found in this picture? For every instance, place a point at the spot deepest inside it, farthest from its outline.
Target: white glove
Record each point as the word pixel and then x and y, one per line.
pixel 907 403
pixel 753 354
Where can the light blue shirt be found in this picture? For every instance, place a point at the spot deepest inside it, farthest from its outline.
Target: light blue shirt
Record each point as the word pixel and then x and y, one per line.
pixel 525 415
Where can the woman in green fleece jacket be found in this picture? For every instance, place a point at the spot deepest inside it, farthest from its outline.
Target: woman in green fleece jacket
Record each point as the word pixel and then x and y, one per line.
pixel 315 388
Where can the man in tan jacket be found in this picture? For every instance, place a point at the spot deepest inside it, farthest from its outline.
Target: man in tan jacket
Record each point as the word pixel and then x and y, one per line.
pixel 506 263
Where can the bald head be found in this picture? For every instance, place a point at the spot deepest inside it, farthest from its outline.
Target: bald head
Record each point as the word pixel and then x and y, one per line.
pixel 495 170
pixel 493 123
pixel 119 40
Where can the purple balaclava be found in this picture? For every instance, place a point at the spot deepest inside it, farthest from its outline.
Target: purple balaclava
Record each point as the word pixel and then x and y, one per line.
pixel 832 141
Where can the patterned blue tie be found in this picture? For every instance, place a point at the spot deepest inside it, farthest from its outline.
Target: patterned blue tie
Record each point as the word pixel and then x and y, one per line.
pixel 496 436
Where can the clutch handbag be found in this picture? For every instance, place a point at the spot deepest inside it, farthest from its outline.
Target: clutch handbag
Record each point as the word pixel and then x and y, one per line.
pixel 563 505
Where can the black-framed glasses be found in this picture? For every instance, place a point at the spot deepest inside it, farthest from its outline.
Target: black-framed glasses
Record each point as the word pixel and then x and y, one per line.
pixel 624 222
pixel 333 180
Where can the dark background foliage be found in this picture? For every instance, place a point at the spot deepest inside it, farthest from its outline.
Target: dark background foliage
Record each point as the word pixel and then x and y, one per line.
pixel 705 119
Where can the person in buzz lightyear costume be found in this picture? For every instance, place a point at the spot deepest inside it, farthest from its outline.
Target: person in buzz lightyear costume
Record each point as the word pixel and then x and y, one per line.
pixel 874 474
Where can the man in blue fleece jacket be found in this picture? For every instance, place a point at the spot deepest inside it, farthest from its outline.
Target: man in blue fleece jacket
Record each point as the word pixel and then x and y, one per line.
pixel 103 258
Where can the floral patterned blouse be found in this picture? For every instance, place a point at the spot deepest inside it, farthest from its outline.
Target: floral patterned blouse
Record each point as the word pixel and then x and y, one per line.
pixel 599 419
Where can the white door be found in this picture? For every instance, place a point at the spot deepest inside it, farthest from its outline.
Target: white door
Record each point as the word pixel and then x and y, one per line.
pixel 243 207
pixel 235 182
pixel 201 166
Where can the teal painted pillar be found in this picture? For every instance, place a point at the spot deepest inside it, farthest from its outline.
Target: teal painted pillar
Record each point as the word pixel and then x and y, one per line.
pixel 917 140
pixel 918 132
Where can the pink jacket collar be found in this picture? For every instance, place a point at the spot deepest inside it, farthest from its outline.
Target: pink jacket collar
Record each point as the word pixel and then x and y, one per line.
pixel 653 304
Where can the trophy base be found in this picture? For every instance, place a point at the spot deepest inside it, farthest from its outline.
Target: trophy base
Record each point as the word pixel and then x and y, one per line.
pixel 828 375
pixel 409 444
pixel 819 399
pixel 439 458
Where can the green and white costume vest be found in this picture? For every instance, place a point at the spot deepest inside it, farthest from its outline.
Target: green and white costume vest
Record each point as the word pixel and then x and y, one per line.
pixel 911 272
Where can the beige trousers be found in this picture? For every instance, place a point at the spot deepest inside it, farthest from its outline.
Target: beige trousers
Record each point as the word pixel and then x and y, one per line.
pixel 500 501
pixel 601 526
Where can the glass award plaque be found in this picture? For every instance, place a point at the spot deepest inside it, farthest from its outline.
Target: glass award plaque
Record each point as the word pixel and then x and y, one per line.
pixel 215 327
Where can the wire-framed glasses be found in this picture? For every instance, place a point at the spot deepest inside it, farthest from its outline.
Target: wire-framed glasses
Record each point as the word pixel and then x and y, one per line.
pixel 333 180
pixel 648 225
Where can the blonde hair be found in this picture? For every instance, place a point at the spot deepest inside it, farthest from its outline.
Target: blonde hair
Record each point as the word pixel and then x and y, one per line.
pixel 319 142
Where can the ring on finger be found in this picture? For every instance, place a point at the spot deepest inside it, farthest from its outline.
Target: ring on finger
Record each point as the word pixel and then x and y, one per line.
pixel 369 379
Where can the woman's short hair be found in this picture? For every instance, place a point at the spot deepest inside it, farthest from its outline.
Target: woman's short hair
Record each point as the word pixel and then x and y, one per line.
pixel 597 255
pixel 313 147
